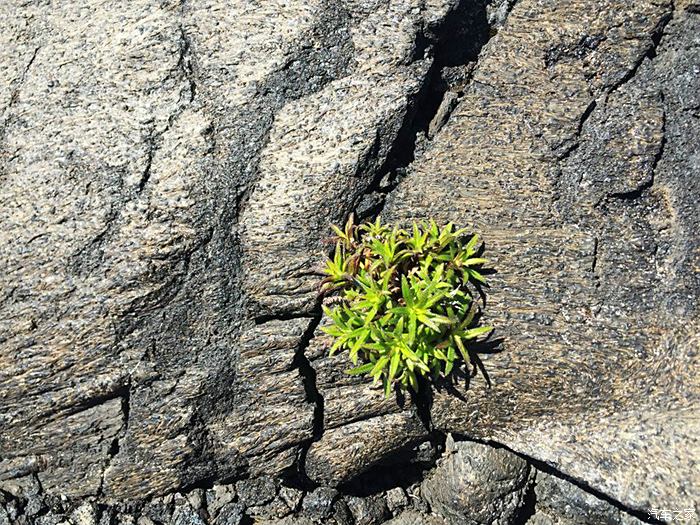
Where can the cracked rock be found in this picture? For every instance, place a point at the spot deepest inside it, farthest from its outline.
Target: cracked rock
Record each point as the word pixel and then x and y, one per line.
pixel 318 504
pixel 477 485
pixel 370 510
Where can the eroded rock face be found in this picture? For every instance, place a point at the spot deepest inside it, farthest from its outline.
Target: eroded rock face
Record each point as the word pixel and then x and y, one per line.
pixel 571 153
pixel 168 174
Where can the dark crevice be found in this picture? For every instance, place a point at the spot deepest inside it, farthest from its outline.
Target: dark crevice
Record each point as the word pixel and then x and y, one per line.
pixel 184 62
pixel 553 471
pixel 14 97
pixel 313 396
pixel 96 401
pixel 423 400
pixel 284 316
pixel 571 144
pixel 527 508
pixel 455 44
pixel 656 37
pixel 594 261
pixel 23 78
pixel 146 174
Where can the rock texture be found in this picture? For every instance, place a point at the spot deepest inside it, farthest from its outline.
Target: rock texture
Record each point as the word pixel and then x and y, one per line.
pixel 477 484
pixel 461 488
pixel 168 172
pixel 573 153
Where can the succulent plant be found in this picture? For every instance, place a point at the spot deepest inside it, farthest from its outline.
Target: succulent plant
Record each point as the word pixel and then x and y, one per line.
pixel 405 306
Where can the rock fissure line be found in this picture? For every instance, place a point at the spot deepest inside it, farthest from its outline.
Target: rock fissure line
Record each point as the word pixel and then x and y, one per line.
pixel 15 93
pixel 313 395
pixel 125 394
pixel 549 469
pixel 650 53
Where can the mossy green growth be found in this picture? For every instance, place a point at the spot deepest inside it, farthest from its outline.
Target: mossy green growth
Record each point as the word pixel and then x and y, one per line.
pixel 406 307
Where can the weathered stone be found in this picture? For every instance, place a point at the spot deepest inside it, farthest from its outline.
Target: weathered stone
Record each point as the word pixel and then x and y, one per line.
pixel 169 171
pixel 348 450
pixel 290 520
pixel 291 497
pixel 23 487
pixel 33 506
pixel 4 517
pixel 276 508
pixel 218 496
pixel 570 153
pixel 159 509
pixel 477 484
pixel 196 498
pixel 562 502
pixel 361 426
pixel 50 518
pixel 412 517
pixel 230 514
pixel 256 491
pixel 396 499
pixel 370 510
pixel 167 183
pixel 318 504
pixel 184 514
pixel 342 514
pixel 124 518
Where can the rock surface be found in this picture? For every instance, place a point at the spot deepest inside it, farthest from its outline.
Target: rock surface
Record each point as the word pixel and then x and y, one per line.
pixel 477 484
pixel 573 154
pixel 168 173
pixel 561 502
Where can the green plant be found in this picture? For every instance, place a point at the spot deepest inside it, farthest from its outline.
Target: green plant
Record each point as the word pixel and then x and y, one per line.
pixel 405 306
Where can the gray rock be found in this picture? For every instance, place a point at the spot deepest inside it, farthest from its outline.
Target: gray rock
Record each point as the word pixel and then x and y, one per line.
pixel 159 509
pixel 218 496
pixel 4 517
pixel 412 517
pixel 164 192
pixel 370 510
pixel 396 499
pixel 23 487
pixel 230 514
pixel 342 514
pixel 318 504
pixel 572 157
pixel 417 503
pixel 289 520
pixel 277 508
pixel 561 502
pixel 291 497
pixel 124 518
pixel 256 491
pixel 85 514
pixel 50 518
pixel 477 485
pixel 196 499
pixel 185 514
pixel 169 172
pixel 33 506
